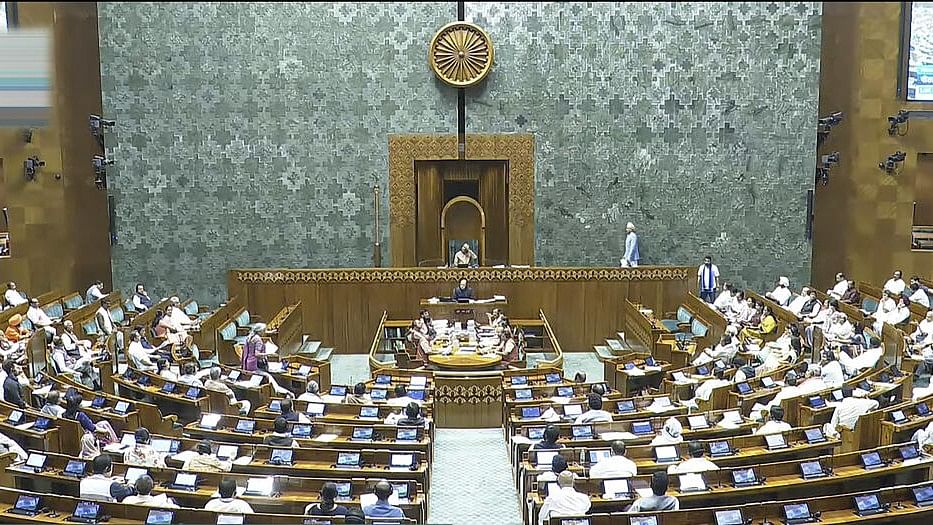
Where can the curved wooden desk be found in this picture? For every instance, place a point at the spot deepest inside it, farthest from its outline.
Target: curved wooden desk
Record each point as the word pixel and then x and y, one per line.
pixel 465 361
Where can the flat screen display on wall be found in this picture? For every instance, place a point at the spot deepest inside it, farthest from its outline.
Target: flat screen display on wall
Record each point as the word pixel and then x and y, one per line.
pixel 920 59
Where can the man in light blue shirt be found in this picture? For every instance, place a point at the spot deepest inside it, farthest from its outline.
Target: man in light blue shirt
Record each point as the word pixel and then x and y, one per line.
pixel 631 257
pixel 381 508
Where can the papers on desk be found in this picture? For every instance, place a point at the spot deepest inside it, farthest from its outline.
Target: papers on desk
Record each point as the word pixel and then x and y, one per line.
pixel 243 460
pixel 42 392
pixel 522 440
pixel 652 368
pixel 434 300
pixel 483 301
pixel 613 436
pixel 86 403
pixel 498 297
pixel 634 371
pixel 114 448
pixel 326 438
pixel 644 492
pixel 25 426
pixel 560 400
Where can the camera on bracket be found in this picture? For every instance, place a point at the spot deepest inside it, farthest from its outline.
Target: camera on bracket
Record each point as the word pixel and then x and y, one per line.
pixel 31 165
pixel 826 163
pixel 895 122
pixel 100 170
pixel 890 164
pixel 99 124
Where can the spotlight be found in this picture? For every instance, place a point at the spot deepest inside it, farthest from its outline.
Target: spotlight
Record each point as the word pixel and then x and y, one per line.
pixel 890 164
pixel 895 122
pixel 31 165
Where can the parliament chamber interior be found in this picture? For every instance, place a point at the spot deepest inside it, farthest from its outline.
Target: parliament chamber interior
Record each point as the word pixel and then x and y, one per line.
pixel 466 263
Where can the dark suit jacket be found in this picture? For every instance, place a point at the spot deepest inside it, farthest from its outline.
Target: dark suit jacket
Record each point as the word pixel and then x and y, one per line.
pixel 12 392
pixel 463 293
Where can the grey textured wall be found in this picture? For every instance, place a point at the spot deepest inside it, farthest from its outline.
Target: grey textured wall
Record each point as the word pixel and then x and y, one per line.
pixel 695 121
pixel 251 134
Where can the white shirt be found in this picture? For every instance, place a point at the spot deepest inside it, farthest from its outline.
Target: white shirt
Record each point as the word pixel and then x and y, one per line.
pixel 724 301
pixel 839 289
pixel 705 391
pixel 38 316
pixel 103 316
pixel 785 393
pixel 232 505
pixel 848 411
pixel 140 356
pixel 614 467
pixel 797 304
pixel 841 331
pixel 702 274
pixel 773 427
pixel 179 318
pixel 149 500
pixel 13 298
pixel 168 374
pixel 895 285
pixel 402 401
pixel 312 398
pixel 923 328
pixel 692 465
pixel 898 316
pixel 593 416
pixel 831 374
pixel 96 487
pixel 920 297
pixel 781 295
pixel 93 293
pixel 137 304
pixel 564 501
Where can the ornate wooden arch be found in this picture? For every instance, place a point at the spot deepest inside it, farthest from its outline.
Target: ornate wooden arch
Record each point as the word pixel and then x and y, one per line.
pixel 482 225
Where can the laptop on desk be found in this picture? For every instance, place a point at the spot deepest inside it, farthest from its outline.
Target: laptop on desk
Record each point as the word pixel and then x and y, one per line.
pixel 812 470
pixel 86 512
pixel 366 433
pixel 795 513
pixel 348 460
pixel 160 517
pixel 868 504
pixel 406 434
pixel 185 481
pixel 718 449
pixel 616 489
pixel 301 430
pixel 281 456
pixel 26 505
pixel 259 486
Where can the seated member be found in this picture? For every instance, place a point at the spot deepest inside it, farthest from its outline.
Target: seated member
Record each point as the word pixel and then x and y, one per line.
pixel 558 465
pixel 616 465
pixel 776 425
pixel 214 384
pixel 659 500
pixel 595 414
pixel 465 257
pixel 228 502
pixel 144 485
pixel 206 461
pixel 288 413
pixel 97 485
pixel 189 376
pixel 401 398
pixel 143 454
pixel 840 288
pixel 52 406
pixel 12 296
pixel 565 501
pixel 358 397
pixel 413 416
pixel 94 292
pixel 280 437
pixel 462 291
pixel 723 302
pixel 696 462
pixel 847 412
pixel 327 506
pixel 382 508
pixel 508 348
pixel 781 294
pixel 312 393
pixel 39 318
pixel 141 300
pixel 548 439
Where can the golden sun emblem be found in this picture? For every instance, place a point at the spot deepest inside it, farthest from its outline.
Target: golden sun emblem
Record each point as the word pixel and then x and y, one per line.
pixel 461 54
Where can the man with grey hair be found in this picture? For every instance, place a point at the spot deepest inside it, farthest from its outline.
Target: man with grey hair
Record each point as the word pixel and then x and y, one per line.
pixel 214 383
pixel 565 501
pixel 465 257
pixel 312 393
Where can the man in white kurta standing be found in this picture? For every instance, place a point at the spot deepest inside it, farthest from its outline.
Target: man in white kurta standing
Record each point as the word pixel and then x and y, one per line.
pixel 707 279
pixel 631 257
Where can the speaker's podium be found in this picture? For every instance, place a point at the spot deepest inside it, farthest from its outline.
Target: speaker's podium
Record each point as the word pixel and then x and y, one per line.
pixel 461 312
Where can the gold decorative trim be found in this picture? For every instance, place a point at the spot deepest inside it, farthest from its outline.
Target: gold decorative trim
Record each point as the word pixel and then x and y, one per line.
pixel 461 54
pixel 518 149
pixel 468 395
pixel 446 275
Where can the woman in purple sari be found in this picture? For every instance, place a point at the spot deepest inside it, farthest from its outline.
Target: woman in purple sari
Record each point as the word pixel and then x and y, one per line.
pixel 253 348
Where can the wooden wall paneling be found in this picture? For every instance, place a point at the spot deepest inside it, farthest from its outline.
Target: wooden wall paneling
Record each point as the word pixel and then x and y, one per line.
pixel 429 202
pixel 494 200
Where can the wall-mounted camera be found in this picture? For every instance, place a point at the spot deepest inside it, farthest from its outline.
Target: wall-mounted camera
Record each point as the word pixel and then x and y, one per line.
pixel 31 165
pixel 894 123
pixel 826 124
pixel 825 165
pixel 99 124
pixel 100 170
pixel 891 164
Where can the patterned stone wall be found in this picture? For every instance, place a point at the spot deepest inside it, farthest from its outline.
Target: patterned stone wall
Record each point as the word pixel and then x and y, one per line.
pixel 695 121
pixel 250 135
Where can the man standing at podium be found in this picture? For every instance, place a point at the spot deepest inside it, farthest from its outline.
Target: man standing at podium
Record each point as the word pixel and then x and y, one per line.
pixel 465 257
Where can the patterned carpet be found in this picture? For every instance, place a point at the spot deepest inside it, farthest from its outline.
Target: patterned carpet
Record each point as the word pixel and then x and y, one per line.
pixel 472 482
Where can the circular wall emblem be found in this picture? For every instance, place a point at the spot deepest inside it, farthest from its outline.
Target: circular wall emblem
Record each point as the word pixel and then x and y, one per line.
pixel 461 54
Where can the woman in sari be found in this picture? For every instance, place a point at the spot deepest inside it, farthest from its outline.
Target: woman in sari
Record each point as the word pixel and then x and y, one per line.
pixel 254 348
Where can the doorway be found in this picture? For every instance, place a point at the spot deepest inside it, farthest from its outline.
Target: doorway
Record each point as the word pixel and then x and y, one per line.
pixel 461 201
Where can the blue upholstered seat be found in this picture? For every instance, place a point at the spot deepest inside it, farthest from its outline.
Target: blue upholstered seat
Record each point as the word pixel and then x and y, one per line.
pixel 683 316
pixel 74 302
pixel 54 310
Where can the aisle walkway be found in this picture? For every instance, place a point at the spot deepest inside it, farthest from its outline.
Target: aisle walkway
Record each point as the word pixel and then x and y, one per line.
pixel 472 482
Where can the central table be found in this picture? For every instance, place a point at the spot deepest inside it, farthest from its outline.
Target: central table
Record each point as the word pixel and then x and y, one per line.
pixel 465 361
